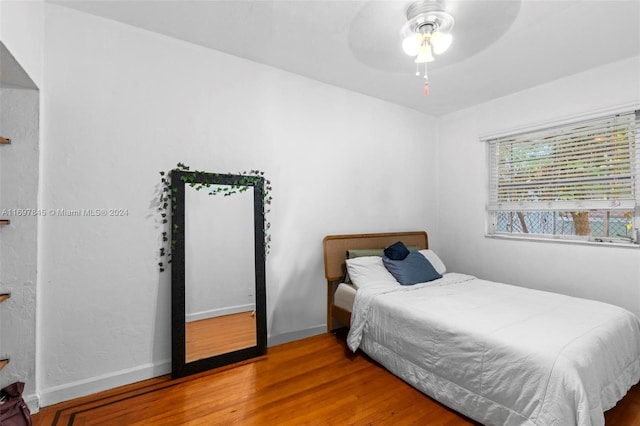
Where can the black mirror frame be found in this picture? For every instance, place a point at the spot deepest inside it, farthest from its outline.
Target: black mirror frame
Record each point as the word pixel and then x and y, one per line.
pixel 179 179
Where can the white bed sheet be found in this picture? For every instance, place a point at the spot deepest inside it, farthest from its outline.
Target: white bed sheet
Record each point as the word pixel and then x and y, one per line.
pixel 501 354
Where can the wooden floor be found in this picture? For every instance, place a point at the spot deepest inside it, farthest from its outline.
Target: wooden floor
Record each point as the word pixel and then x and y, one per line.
pixel 315 381
pixel 218 335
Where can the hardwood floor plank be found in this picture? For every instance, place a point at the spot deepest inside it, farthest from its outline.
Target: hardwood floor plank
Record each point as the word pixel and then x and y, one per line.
pixel 314 381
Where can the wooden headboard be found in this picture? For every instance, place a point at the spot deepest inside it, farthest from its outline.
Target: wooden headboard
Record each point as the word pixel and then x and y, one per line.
pixel 335 255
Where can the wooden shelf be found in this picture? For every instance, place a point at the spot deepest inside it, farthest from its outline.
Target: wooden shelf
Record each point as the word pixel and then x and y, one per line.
pixel 4 222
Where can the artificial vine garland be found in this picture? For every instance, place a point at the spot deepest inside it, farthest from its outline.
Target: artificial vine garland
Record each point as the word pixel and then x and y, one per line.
pixel 167 199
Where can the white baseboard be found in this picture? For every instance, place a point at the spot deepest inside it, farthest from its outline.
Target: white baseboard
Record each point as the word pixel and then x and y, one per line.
pixel 96 384
pixel 212 313
pixel 32 402
pixel 296 335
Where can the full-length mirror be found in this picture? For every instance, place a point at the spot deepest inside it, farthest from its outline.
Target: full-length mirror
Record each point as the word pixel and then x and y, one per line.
pixel 218 270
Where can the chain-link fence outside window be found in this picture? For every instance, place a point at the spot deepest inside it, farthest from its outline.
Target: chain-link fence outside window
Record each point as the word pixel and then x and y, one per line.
pixel 594 224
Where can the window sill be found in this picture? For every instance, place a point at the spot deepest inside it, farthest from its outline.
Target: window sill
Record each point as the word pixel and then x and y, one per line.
pixel 602 242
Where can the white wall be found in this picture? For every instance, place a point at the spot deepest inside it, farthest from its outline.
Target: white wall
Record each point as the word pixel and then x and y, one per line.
pixel 123 104
pixel 19 112
pixel 22 32
pixel 604 273
pixel 219 253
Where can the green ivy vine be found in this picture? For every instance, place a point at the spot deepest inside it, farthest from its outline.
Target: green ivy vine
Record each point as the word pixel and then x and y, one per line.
pixel 167 206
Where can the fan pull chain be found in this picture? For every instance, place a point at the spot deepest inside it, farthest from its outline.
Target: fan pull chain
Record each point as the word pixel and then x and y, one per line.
pixel 426 77
pixel 426 81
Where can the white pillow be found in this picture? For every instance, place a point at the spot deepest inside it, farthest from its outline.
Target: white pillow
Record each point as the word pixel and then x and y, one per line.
pixel 435 260
pixel 367 269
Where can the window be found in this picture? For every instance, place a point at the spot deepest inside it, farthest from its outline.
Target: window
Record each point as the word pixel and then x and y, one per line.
pixel 577 181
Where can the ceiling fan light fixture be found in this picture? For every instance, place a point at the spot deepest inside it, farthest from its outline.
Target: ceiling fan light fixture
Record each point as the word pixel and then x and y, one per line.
pixel 410 44
pixel 441 42
pixel 424 51
pixel 427 32
pixel 424 58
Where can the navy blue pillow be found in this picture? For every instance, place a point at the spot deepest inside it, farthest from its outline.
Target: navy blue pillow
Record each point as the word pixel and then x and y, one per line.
pixel 396 251
pixel 415 268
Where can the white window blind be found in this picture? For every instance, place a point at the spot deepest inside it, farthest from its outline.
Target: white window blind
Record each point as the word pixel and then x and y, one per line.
pixel 582 166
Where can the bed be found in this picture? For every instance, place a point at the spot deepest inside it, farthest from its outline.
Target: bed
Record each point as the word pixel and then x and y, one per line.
pixel 499 354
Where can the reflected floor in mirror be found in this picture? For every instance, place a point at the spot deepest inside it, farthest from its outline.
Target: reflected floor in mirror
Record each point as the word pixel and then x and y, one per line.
pixel 215 336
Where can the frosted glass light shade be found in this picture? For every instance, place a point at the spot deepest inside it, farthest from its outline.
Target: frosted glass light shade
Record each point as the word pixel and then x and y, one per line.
pixel 440 42
pixel 424 56
pixel 414 44
pixel 410 45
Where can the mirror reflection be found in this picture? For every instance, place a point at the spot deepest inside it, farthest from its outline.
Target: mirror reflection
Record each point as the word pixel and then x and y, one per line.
pixel 219 273
pixel 218 300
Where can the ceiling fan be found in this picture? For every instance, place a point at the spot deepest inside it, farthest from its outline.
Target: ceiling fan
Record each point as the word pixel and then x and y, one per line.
pixel 426 33
pixel 424 29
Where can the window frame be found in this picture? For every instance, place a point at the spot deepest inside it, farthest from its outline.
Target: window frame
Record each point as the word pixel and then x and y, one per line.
pixel 529 134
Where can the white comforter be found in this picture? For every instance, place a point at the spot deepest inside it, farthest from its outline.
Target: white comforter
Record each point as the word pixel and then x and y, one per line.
pixel 501 354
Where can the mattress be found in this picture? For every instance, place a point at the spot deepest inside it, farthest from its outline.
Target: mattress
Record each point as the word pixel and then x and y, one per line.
pixel 501 354
pixel 344 296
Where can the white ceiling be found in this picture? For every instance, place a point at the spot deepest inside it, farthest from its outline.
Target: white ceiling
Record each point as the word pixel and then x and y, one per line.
pixel 500 47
